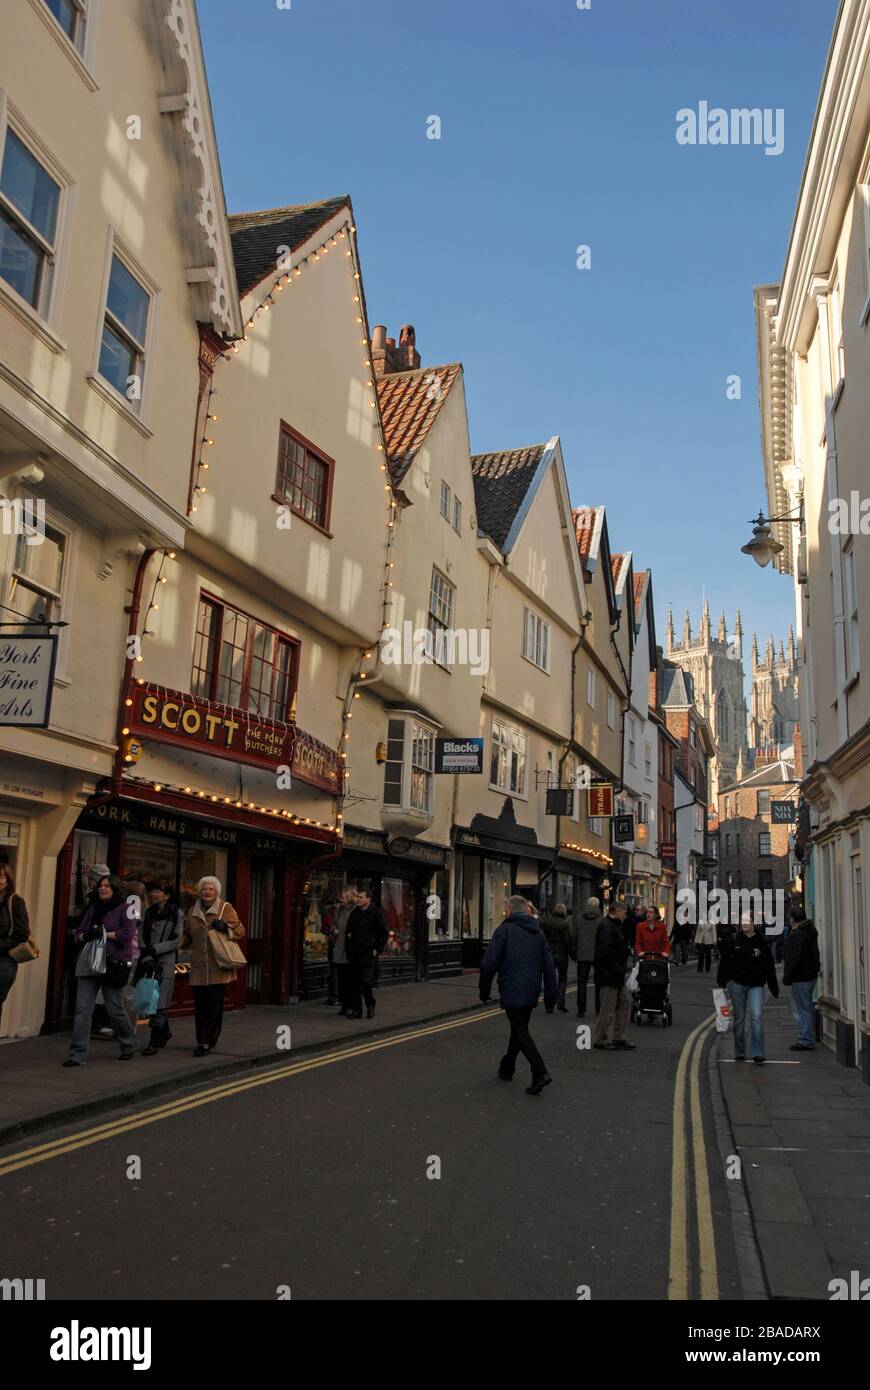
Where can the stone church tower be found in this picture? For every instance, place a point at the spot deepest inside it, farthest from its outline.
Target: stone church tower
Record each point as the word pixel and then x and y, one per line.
pixel 716 667
pixel 775 714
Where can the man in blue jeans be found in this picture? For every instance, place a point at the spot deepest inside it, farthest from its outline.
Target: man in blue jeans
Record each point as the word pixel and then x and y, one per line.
pixel 745 967
pixel 802 965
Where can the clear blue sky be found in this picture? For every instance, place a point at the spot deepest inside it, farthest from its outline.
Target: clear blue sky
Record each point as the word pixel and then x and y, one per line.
pixel 558 129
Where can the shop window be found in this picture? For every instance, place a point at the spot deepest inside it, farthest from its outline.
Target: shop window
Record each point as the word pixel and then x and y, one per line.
pixel 244 663
pixel 507 770
pixel 29 203
pixel 10 835
pixel 196 862
pixel 319 901
pixel 565 891
pixel 398 904
pixel 468 897
pixel 496 890
pixel 438 921
pixel 304 478
pixel 408 771
pixel 149 857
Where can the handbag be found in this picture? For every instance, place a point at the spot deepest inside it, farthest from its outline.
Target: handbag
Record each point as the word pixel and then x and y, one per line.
pixel 24 951
pixel 92 958
pixel 146 996
pixel 117 974
pixel 228 955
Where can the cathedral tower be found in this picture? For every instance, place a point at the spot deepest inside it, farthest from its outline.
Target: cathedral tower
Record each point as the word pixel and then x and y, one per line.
pixel 774 697
pixel 716 667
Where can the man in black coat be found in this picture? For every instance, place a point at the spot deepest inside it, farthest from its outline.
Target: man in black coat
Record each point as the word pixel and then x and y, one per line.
pixel 518 953
pixel 802 966
pixel 611 964
pixel 365 938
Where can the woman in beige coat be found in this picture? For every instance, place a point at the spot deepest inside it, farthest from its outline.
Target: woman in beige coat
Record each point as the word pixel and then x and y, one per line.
pixel 209 982
pixel 705 940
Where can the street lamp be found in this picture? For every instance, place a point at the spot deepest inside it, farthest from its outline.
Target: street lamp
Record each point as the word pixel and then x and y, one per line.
pixel 762 547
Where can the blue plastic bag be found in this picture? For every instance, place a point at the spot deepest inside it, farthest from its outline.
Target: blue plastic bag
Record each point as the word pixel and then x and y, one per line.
pixel 145 996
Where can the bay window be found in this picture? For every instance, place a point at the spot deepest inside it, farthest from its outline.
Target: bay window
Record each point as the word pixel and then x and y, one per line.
pixel 409 768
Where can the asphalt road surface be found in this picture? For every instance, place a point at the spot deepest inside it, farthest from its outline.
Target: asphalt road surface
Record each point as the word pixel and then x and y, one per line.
pixel 313 1179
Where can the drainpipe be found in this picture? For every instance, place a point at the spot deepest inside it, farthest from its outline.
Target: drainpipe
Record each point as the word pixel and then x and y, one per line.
pixel 569 747
pixel 133 609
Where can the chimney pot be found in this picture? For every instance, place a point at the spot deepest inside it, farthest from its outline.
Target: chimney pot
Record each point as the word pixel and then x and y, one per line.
pixel 407 336
pixel 379 336
pixel 391 342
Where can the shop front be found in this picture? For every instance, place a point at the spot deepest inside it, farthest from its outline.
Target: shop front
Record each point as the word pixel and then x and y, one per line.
pixel 410 882
pixel 578 875
pixel 493 858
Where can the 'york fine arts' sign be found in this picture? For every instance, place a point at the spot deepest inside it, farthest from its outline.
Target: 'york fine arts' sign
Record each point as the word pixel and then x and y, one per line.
pixel 171 717
pixel 26 680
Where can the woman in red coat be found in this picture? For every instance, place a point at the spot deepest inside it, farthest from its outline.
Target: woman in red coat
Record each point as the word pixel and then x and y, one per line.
pixel 652 936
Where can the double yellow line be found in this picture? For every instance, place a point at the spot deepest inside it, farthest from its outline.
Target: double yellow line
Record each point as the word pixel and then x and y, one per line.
pixel 55 1148
pixel 688 1081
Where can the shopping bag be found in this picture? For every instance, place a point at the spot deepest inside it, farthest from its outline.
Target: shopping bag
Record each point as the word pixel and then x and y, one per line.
pixel 722 1005
pixel 631 982
pixel 92 957
pixel 145 996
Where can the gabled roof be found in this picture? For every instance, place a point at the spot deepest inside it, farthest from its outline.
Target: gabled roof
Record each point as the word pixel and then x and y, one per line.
pixel 593 544
pixel 258 236
pixel 501 484
pixel 410 402
pixel 641 579
pixel 776 774
pixel 616 567
pixel 677 688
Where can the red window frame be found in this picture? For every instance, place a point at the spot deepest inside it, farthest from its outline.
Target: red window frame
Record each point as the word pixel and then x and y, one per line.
pixel 207 689
pixel 281 495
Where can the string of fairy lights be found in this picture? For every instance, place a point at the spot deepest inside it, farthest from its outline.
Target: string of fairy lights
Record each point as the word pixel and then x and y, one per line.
pixel 342 239
pixel 586 849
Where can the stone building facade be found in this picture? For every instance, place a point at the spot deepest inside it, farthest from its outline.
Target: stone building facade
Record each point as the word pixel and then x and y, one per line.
pixel 774 698
pixel 715 665
pixel 755 850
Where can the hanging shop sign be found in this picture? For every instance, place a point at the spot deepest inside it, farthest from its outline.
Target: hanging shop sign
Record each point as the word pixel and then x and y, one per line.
pixel 560 801
pixel 623 829
pixel 170 716
pixel 459 755
pixel 668 851
pixel 601 799
pixel 783 813
pixel 26 680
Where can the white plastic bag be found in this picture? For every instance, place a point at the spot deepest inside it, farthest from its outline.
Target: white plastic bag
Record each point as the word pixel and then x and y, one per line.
pixel 722 1005
pixel 631 982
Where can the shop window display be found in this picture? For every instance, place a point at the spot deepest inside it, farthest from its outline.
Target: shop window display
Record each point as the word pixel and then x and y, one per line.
pixel 437 921
pixel 399 909
pixel 319 900
pixel 196 862
pixel 468 897
pixel 496 891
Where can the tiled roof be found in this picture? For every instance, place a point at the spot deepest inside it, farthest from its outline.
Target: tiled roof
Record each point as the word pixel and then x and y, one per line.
pixel 410 402
pixel 616 566
pixel 677 688
pixel 584 528
pixel 638 586
pixel 501 482
pixel 256 236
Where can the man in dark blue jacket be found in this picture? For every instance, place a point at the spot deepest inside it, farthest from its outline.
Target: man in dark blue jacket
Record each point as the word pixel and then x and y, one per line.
pixel 518 953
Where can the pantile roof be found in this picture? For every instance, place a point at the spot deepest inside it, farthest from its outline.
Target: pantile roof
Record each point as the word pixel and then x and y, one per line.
pixel 256 236
pixel 409 403
pixel 501 482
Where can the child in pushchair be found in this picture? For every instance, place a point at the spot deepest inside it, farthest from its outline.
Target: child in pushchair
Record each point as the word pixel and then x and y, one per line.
pixel 652 998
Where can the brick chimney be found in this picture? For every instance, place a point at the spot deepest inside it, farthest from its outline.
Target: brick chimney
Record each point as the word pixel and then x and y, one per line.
pixel 387 358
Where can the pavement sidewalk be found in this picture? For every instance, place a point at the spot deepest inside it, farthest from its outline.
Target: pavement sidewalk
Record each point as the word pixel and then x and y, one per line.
pixel 36 1092
pixel 801 1125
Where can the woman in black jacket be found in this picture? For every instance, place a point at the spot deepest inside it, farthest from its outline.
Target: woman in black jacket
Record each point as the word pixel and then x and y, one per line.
pixel 745 968
pixel 14 929
pixel 556 929
pixel 159 938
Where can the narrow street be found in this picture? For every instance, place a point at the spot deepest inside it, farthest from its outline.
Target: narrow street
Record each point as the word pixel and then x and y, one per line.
pixel 314 1176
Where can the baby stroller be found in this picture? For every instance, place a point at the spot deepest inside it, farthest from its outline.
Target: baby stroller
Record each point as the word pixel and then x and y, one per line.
pixel 652 996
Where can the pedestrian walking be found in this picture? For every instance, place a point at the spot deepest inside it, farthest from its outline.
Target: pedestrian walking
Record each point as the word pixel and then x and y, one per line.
pixel 14 930
pixel 557 930
pixel 745 968
pixel 346 903
pixel 802 967
pixel 705 939
pixel 209 979
pixel 651 938
pixel 584 928
pixel 611 964
pixel 681 936
pixel 159 939
pixel 519 955
pixel 108 919
pixel 100 1027
pixel 365 938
